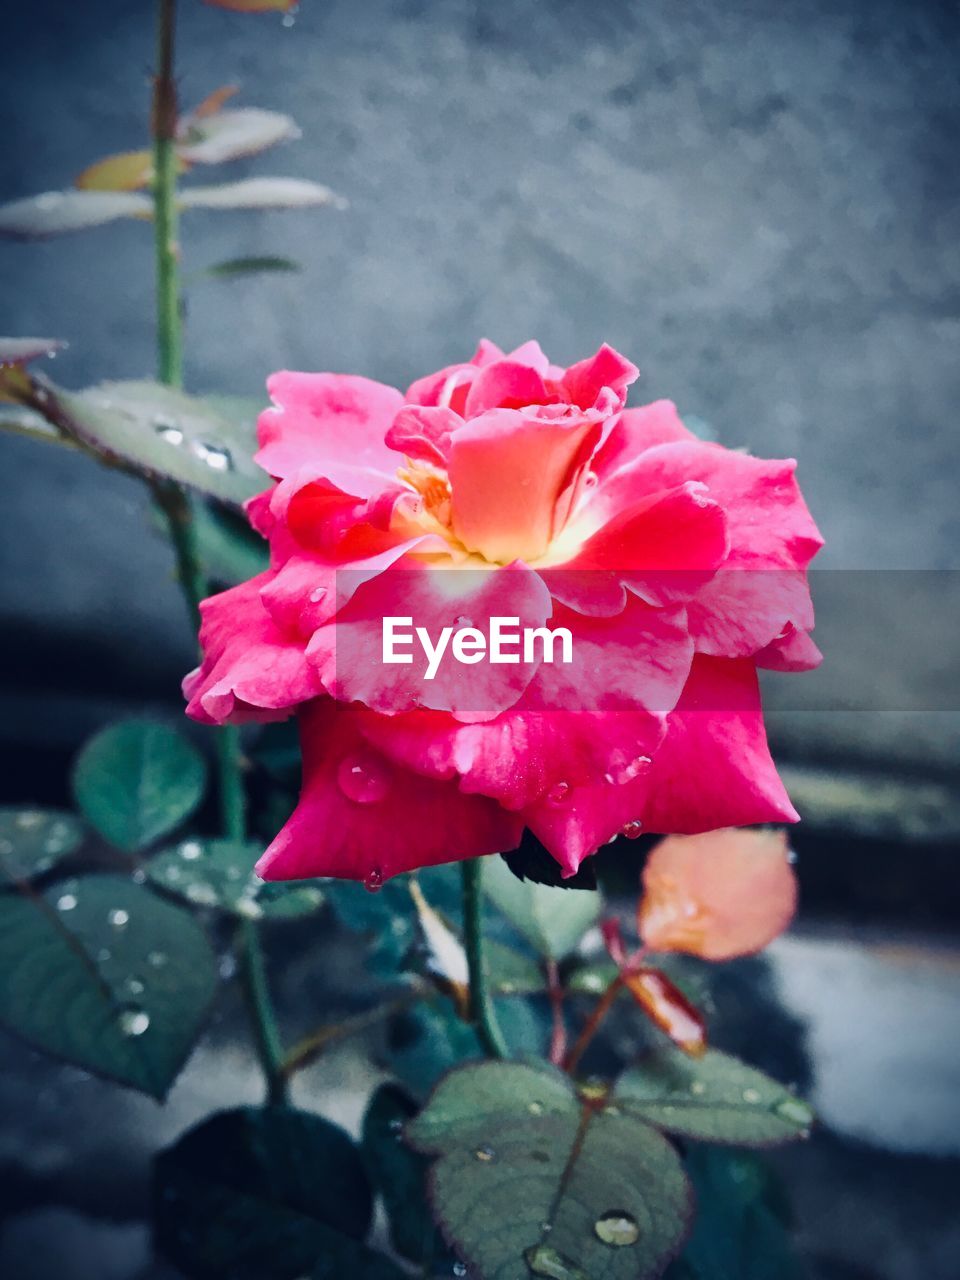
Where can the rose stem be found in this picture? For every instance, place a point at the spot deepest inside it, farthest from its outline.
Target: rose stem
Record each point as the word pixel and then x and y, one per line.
pixel 481 1007
pixel 558 1035
pixel 592 1025
pixel 175 505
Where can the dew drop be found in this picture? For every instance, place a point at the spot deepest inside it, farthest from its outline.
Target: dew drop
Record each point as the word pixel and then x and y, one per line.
pixel 167 429
pixel 29 819
pixel 139 876
pixel 792 857
pixel 119 918
pixel 751 1095
pixel 133 1021
pixel 535 1108
pixel 202 895
pixel 157 959
pixel 134 986
pixel 190 850
pixel 6 846
pixel 173 873
pixel 66 902
pixel 459 1269
pixel 248 907
pixel 234 873
pixel 616 1228
pixel 794 1110
pixel 698 1087
pixel 486 1155
pixel 395 1126
pixel 317 595
pixel 364 778
pixel 558 793
pixel 542 1260
pixel 216 458
pixel 632 830
pixel 463 621
pixel 227 968
pixel 290 17
pixel 103 955
pixel 373 880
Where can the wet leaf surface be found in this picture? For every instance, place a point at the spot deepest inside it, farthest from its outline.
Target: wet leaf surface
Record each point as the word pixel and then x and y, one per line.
pixel 219 873
pixel 33 841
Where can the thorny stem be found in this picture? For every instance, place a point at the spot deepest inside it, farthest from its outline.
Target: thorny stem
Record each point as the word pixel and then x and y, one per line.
pixel 592 1025
pixel 317 1042
pixel 481 1006
pixel 173 501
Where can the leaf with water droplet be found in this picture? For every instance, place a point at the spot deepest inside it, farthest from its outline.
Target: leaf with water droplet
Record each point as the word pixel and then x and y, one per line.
pixel 716 1098
pixel 80 984
pixel 266 1191
pixel 553 920
pixel 399 1174
pixel 529 1174
pixel 137 780
pixel 33 841
pixel 154 431
pixel 219 873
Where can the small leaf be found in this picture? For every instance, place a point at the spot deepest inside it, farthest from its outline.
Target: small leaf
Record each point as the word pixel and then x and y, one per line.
pixel 530 1175
pixel 668 1008
pixel 255 6
pixel 219 873
pixel 228 135
pixel 260 193
pixel 718 895
pixel 250 267
pixel 399 1175
pixel 56 212
pixel 102 973
pixel 32 841
pixel 127 171
pixel 137 780
pixel 715 1098
pixel 155 431
pixel 257 1192
pixel 553 920
pixel 14 351
pixel 213 102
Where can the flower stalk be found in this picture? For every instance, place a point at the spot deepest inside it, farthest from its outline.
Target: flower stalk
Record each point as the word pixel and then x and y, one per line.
pixel 481 1005
pixel 174 502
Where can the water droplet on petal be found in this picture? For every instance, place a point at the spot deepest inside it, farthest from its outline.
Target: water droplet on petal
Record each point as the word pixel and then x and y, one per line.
pixel 190 850
pixel 632 830
pixel 463 621
pixel 364 777
pixel 617 1228
pixel 133 1021
pixel 486 1155
pixel 558 794
pixel 317 595
pixel 66 902
pixel 373 880
pixel 119 918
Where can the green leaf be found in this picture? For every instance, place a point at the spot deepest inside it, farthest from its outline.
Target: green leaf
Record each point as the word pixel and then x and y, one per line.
pixel 261 193
pixel 553 920
pixel 229 549
pixel 738 1233
pixel 399 1175
pixel 56 212
pixel 715 1098
pixel 219 873
pixel 528 1173
pixel 159 431
pixel 228 135
pixel 264 265
pixel 257 1192
pixel 428 1042
pixel 511 972
pixel 137 780
pixel 104 974
pixel 33 841
pixel 22 350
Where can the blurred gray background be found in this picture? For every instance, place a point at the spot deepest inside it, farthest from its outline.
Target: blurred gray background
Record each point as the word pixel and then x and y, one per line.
pixel 758 203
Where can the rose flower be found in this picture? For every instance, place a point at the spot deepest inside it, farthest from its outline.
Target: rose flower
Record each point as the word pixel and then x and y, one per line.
pixel 677 566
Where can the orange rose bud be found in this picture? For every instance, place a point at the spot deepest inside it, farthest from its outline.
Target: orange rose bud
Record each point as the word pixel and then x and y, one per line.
pixel 668 1008
pixel 718 895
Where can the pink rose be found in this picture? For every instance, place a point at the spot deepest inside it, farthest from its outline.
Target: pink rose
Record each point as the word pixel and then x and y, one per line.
pixel 677 567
